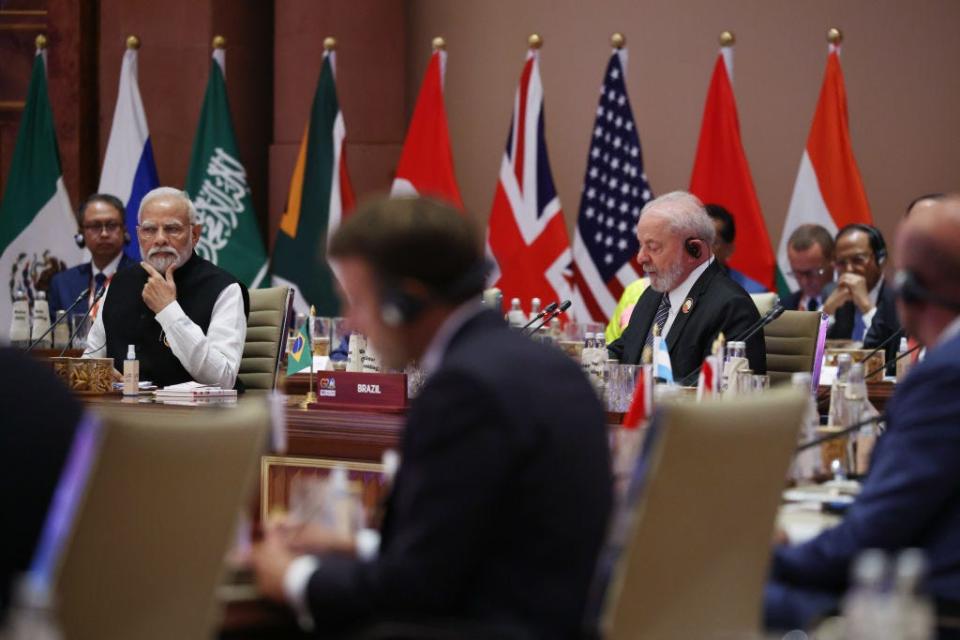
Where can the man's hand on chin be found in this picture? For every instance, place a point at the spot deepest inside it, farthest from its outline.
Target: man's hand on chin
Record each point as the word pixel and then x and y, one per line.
pixel 271 558
pixel 160 290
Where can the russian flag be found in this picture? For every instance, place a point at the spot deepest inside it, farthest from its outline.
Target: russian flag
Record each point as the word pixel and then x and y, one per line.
pixel 129 170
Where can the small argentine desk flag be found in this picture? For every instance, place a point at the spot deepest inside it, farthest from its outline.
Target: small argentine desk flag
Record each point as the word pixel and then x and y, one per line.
pixel 662 367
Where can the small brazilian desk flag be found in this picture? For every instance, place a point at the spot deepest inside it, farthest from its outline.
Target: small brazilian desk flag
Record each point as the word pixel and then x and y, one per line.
pixel 300 354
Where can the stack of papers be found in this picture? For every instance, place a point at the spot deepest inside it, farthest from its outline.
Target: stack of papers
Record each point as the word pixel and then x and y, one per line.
pixel 193 391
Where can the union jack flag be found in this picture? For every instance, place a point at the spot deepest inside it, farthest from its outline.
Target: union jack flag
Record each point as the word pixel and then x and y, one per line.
pixel 527 237
pixel 615 189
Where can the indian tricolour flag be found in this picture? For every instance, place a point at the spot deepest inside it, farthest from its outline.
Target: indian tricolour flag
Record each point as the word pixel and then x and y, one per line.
pixel 36 219
pixel 828 190
pixel 320 194
pixel 217 184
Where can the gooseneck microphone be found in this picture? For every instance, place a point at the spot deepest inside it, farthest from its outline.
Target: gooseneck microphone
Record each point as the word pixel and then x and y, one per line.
pixel 83 320
pixel 66 314
pixel 548 309
pixel 550 316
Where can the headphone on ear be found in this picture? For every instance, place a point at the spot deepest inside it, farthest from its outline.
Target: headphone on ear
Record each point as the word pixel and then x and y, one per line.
pixel 82 242
pixel 912 291
pixel 692 247
pixel 877 244
pixel 399 306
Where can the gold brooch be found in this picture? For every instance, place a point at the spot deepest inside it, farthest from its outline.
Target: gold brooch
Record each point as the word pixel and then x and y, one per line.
pixel 687 305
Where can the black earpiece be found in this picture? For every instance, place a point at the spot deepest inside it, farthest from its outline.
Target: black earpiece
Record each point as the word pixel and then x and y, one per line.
pixel 78 238
pixel 692 246
pixel 912 291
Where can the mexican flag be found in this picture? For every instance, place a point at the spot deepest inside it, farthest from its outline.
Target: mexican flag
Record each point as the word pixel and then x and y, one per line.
pixel 320 194
pixel 721 175
pixel 217 184
pixel 36 220
pixel 426 162
pixel 828 190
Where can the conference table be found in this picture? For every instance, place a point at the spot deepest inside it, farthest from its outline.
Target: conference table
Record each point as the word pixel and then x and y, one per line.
pixel 316 441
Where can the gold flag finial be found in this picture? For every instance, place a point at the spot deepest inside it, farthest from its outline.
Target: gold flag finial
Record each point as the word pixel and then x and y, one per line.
pixel 133 42
pixel 41 41
pixel 834 36
pixel 438 43
pixel 313 310
pixel 329 43
pixel 618 40
pixel 535 41
pixel 727 39
pixel 219 42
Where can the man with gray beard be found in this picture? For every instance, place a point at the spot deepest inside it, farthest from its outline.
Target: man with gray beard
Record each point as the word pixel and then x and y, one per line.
pixel 186 317
pixel 690 298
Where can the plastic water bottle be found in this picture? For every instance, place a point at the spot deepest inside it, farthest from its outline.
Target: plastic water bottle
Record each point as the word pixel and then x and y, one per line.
pixel 903 364
pixel 534 309
pixel 855 399
pixel 20 321
pixel 131 373
pixel 913 610
pixel 61 333
pixel 516 318
pixel 865 607
pixel 837 404
pixel 41 321
pixel 808 462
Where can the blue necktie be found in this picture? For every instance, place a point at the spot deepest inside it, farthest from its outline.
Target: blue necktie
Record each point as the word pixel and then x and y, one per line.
pixel 98 281
pixel 659 320
pixel 813 304
pixel 859 328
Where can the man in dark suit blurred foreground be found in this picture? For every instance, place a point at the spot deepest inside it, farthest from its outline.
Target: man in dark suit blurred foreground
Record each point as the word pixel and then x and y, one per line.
pixel 911 498
pixel 501 501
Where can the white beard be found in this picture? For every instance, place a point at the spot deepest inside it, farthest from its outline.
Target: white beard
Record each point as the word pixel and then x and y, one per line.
pixel 665 281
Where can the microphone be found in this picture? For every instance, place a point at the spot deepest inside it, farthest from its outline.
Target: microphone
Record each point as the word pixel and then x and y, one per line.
pixel 66 314
pixel 550 316
pixel 80 324
pixel 882 345
pixel 839 434
pixel 548 309
pixel 771 315
pixel 823 393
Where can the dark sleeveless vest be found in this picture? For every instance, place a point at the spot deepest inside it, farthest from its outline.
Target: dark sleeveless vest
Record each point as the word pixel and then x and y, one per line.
pixel 127 319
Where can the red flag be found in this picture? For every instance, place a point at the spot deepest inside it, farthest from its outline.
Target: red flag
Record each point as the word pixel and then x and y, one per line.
pixel 706 383
pixel 426 162
pixel 641 404
pixel 527 235
pixel 721 175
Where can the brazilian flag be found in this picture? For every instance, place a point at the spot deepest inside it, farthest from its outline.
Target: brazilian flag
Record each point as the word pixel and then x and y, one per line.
pixel 301 355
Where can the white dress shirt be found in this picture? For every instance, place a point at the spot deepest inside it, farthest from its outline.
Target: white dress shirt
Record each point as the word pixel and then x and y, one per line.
pixel 679 294
pixel 213 358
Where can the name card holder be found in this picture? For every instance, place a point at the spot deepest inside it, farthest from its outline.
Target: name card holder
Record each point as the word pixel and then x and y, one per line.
pixel 348 390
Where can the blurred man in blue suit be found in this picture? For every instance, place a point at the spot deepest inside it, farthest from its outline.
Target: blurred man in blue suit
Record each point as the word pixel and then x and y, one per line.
pixel 911 497
pixel 103 233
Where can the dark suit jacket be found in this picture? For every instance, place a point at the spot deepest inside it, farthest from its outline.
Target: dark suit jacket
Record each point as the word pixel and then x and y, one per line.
pixel 911 497
pixel 885 323
pixel 719 304
pixel 501 501
pixel 67 285
pixel 792 301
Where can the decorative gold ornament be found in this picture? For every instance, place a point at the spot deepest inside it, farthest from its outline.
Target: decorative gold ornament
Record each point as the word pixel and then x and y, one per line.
pixel 834 36
pixel 329 43
pixel 133 42
pixel 535 41
pixel 439 44
pixel 618 40
pixel 41 41
pixel 219 42
pixel 727 39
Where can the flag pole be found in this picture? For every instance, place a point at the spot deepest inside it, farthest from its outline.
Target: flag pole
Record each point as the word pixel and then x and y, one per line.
pixel 311 397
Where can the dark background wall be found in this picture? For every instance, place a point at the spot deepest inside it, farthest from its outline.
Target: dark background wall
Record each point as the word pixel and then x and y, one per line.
pixel 900 60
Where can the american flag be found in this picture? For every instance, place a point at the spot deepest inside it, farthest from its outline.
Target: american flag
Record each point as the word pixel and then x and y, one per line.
pixel 615 189
pixel 527 236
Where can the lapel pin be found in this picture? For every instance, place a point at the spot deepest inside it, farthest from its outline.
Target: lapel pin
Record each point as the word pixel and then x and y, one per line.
pixel 687 305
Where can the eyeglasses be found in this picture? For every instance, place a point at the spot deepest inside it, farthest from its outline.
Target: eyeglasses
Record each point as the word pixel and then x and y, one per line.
pixel 857 260
pixel 808 274
pixel 99 227
pixel 173 230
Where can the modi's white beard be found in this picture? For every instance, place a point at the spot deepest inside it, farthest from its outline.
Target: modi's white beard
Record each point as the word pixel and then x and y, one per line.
pixel 665 280
pixel 161 258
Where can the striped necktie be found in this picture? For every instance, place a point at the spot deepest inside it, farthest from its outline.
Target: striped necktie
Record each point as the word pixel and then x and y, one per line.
pixel 659 320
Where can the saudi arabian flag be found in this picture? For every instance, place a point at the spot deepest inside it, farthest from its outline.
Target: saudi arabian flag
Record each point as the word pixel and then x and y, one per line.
pixel 301 355
pixel 217 184
pixel 320 195
pixel 36 220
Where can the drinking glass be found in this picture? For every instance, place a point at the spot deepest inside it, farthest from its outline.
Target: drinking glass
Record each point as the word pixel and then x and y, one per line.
pixel 320 336
pixel 80 324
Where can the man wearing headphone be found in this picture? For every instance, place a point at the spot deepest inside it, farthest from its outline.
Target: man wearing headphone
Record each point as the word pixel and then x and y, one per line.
pixel 910 497
pixel 103 233
pixel 500 504
pixel 690 298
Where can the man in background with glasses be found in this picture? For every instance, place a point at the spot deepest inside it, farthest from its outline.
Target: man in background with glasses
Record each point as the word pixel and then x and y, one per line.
pixel 862 307
pixel 186 317
pixel 810 253
pixel 102 232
